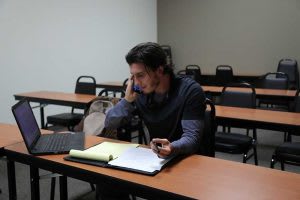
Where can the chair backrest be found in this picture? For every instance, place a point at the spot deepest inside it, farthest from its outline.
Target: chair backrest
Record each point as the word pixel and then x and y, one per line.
pixel 125 82
pixel 245 96
pixel 275 80
pixel 224 75
pixel 194 71
pixel 290 67
pixel 112 93
pixel 85 85
pixel 296 107
pixel 168 52
pixel 181 72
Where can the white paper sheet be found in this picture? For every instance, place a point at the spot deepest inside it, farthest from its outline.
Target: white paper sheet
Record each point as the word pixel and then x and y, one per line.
pixel 139 159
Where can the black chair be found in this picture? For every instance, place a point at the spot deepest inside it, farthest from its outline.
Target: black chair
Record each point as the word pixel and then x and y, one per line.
pixel 112 92
pixel 287 153
pixel 88 86
pixel 207 144
pixel 275 80
pixel 181 73
pixel 236 143
pixel 294 108
pixel 224 75
pixel 194 71
pixel 290 67
pixel 167 50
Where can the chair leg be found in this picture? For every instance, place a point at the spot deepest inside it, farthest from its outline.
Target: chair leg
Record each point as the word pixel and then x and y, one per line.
pixel 273 161
pixel 92 187
pixel 52 192
pixel 224 129
pixel 255 156
pixel 98 197
pixel 285 137
pixel 245 157
pixel 289 137
pixel 282 165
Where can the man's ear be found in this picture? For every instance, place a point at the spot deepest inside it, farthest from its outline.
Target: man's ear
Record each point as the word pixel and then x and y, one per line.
pixel 160 70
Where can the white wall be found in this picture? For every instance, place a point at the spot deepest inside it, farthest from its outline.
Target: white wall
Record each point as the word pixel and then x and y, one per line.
pixel 47 44
pixel 250 35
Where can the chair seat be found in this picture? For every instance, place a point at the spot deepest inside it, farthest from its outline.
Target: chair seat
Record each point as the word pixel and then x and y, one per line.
pixel 289 151
pixel 232 142
pixel 65 119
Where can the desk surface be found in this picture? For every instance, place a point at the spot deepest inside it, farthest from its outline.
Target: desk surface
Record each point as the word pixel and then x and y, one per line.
pixel 266 118
pixel 259 115
pixel 57 98
pixel 259 91
pixel 9 134
pixel 195 177
pixel 216 89
pixel 110 85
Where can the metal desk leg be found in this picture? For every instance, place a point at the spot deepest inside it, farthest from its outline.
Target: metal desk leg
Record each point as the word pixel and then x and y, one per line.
pixel 11 180
pixel 42 116
pixel 35 184
pixel 63 187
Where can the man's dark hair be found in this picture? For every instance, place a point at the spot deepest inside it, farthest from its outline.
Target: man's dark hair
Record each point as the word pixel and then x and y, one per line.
pixel 151 55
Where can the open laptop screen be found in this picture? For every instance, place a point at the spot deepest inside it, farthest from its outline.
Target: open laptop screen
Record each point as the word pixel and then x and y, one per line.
pixel 26 122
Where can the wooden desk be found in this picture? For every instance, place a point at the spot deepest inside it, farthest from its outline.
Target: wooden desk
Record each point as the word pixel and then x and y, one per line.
pixel 260 92
pixel 259 118
pixel 9 134
pixel 195 177
pixel 111 85
pixel 55 98
pixel 217 90
pixel 265 119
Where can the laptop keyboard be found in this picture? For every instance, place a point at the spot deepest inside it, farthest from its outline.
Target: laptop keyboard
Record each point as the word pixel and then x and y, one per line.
pixel 59 142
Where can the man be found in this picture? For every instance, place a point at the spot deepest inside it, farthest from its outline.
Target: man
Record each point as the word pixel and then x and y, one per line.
pixel 172 108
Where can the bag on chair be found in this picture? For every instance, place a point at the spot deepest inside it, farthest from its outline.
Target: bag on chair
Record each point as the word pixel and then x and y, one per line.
pixel 93 120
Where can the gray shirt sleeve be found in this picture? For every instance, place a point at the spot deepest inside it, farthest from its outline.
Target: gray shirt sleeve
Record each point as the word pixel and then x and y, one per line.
pixel 190 139
pixel 118 115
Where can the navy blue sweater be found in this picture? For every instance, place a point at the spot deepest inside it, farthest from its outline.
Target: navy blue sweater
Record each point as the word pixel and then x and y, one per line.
pixel 177 115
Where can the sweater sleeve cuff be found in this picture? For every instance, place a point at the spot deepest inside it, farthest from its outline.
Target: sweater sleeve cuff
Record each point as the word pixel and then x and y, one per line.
pixel 127 105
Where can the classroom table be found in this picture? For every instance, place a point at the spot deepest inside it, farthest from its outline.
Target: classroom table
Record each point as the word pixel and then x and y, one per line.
pixel 55 98
pixel 217 90
pixel 111 85
pixel 9 134
pixel 192 177
pixel 261 93
pixel 257 118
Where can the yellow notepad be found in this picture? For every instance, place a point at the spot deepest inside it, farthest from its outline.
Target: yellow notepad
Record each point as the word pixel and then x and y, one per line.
pixel 104 151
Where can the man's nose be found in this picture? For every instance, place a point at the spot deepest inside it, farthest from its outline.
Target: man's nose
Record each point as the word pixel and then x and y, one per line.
pixel 136 81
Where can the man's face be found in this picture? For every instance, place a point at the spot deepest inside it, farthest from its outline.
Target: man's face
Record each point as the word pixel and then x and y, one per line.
pixel 147 80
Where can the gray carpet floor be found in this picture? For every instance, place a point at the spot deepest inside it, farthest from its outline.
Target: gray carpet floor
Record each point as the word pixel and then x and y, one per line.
pixel 79 190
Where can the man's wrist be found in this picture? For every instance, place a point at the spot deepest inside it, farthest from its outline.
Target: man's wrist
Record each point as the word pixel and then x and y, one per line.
pixel 128 100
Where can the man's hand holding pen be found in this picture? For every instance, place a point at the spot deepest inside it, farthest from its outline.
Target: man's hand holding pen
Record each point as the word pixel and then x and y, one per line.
pixel 162 147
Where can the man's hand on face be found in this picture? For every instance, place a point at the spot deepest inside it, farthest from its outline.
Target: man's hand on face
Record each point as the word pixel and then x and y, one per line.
pixel 130 95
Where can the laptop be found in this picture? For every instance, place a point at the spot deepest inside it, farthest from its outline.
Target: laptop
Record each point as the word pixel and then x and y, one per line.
pixel 38 144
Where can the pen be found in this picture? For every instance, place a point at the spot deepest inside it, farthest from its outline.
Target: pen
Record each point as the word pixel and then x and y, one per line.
pixel 156 147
